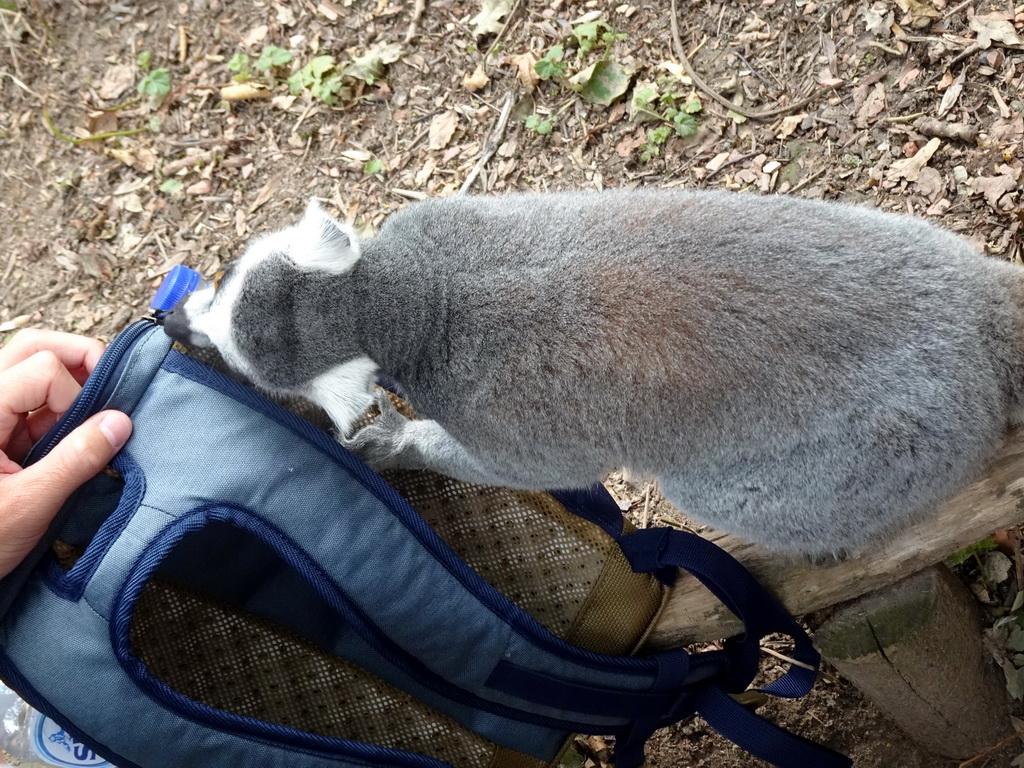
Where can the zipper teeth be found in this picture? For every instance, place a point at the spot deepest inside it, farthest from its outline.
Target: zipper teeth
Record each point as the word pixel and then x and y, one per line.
pixel 92 389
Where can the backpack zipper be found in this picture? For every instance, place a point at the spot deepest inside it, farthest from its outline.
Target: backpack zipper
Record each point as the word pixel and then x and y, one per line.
pixel 94 386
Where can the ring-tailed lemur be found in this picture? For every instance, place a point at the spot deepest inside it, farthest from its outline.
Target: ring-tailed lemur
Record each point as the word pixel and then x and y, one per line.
pixel 807 375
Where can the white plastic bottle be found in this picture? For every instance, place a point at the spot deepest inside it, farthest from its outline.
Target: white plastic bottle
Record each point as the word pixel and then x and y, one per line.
pixel 29 739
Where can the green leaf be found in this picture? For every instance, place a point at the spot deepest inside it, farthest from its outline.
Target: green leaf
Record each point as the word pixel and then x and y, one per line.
pixel 312 76
pixel 373 166
pixel 1015 642
pixel 328 90
pixel 143 60
pixel 965 554
pixel 272 56
pixel 642 106
pixel 603 82
pixel 8 5
pixel 570 758
pixel 320 66
pixel 538 125
pixel 1014 682
pixel 171 186
pixel 155 123
pixel 685 124
pixel 586 34
pixel 239 64
pixel 551 65
pixel 156 83
pixel 693 105
pixel 658 136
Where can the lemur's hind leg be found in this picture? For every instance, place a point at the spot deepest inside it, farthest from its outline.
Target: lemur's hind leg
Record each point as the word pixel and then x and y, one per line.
pixel 394 442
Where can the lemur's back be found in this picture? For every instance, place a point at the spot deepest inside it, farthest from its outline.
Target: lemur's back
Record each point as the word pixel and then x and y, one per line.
pixel 804 372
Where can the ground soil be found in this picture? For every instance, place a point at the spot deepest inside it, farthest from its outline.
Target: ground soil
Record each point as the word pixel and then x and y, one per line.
pixel 89 228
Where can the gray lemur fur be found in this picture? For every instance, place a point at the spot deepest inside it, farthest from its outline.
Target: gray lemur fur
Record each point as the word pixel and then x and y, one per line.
pixel 807 375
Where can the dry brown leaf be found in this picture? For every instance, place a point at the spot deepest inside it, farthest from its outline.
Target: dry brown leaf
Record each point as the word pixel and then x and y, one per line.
pixel 997 30
pixel 145 160
pixel 201 187
pixel 789 125
pixel 930 183
pixel 15 323
pixel 255 36
pixel 625 147
pixel 952 94
pixel 121 155
pixel 488 21
pixel 878 20
pixel 442 128
pixel 909 77
pixel 909 168
pixel 264 195
pixel 331 11
pixel 477 80
pixel 993 187
pixel 919 14
pixel 245 91
pixel 424 173
pixel 716 162
pixel 116 80
pixel 872 107
pixel 524 69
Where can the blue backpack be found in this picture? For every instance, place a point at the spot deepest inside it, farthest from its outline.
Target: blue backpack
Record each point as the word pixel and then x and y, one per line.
pixel 230 528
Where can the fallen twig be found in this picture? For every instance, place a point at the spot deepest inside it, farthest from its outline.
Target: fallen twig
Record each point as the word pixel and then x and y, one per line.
pixel 1008 740
pixel 702 84
pixel 726 164
pixel 812 178
pixel 414 22
pixel 491 145
pixel 95 137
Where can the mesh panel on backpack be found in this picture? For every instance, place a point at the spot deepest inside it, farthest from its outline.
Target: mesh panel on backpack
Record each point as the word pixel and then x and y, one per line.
pixel 564 571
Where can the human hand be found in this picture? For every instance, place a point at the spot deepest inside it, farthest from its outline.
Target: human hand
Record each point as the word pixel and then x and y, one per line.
pixel 41 373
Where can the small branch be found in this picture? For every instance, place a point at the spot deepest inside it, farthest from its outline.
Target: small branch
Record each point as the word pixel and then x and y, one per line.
pixel 414 22
pixel 702 84
pixel 904 118
pixel 785 658
pixel 95 137
pixel 812 178
pixel 1008 740
pixel 726 164
pixel 504 30
pixel 491 146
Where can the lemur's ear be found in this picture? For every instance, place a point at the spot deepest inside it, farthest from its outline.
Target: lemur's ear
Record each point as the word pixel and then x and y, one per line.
pixel 321 242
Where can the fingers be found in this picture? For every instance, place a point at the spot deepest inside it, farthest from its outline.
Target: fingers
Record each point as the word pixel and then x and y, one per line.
pixel 30 498
pixel 77 353
pixel 41 380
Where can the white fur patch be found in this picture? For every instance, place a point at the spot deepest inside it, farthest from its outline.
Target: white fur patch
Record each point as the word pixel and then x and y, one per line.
pixel 345 392
pixel 320 242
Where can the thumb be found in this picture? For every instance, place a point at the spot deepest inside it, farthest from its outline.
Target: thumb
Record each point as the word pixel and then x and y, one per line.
pixel 75 459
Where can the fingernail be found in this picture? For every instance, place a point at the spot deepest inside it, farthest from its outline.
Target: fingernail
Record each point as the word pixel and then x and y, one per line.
pixel 117 428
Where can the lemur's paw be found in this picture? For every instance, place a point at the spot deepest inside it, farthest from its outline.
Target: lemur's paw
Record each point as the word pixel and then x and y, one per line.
pixel 380 443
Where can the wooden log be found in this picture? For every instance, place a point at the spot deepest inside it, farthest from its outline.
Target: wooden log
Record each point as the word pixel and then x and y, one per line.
pixel 994 502
pixel 915 650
